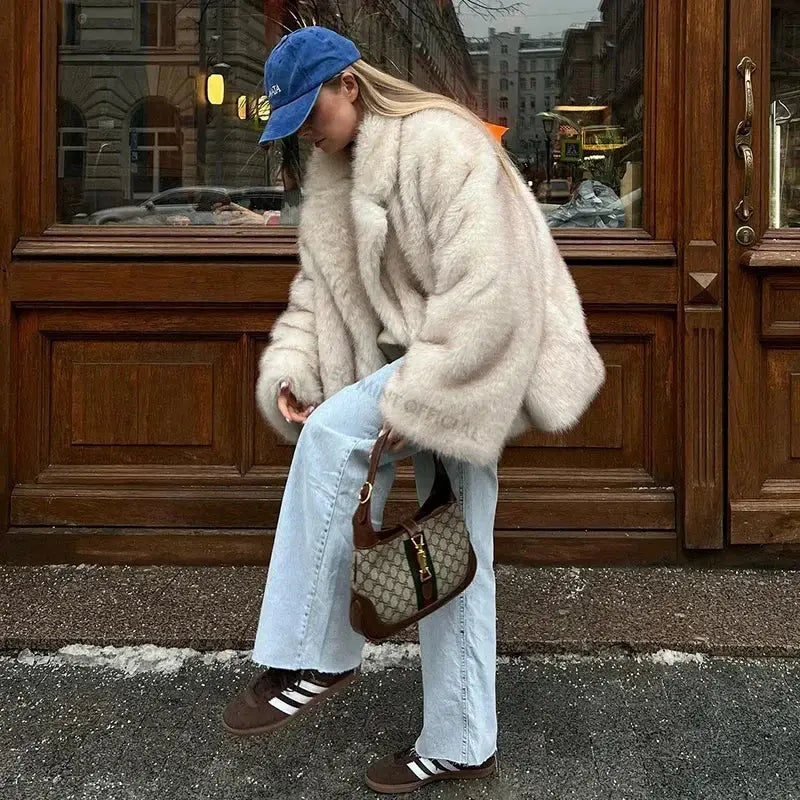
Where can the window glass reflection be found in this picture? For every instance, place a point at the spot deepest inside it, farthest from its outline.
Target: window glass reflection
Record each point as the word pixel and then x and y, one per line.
pixel 574 106
pixel 162 99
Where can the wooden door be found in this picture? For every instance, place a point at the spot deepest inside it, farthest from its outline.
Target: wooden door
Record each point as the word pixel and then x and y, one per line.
pixel 102 460
pixel 764 272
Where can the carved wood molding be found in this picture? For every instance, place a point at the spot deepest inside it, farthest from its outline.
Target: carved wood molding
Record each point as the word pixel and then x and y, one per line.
pixel 703 213
pixel 703 404
pixel 210 243
pixel 704 288
pixel 778 254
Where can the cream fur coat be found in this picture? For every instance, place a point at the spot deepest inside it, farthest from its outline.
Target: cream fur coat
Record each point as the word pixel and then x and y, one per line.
pixel 424 240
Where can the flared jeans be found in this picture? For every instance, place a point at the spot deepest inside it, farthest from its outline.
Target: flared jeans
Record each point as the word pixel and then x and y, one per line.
pixel 304 622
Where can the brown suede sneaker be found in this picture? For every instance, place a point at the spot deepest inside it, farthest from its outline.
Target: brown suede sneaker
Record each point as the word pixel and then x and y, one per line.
pixel 406 771
pixel 277 696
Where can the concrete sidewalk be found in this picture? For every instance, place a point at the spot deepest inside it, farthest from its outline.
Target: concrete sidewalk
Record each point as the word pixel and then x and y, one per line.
pixel 723 612
pixel 608 720
pixel 616 728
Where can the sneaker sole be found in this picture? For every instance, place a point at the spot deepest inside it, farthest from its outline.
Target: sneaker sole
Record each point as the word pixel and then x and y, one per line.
pixel 271 728
pixel 407 788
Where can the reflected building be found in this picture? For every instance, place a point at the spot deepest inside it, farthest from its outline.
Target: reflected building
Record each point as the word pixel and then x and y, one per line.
pixel 418 40
pixel 134 117
pixel 622 59
pixel 132 79
pixel 580 73
pixel 517 79
pixel 602 102
pixel 603 64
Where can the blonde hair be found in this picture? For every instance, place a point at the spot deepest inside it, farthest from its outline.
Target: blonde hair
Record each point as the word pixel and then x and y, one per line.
pixel 382 93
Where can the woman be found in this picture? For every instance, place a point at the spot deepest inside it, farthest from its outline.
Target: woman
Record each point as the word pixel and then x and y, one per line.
pixel 433 302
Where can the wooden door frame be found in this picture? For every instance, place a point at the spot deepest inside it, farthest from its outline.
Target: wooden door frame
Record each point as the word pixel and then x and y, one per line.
pixel 703 258
pixel 744 355
pixel 9 231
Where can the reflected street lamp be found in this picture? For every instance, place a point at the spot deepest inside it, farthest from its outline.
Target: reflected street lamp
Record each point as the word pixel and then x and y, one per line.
pixel 548 121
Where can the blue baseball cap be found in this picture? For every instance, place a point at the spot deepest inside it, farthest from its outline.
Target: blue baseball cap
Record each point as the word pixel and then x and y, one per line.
pixel 294 73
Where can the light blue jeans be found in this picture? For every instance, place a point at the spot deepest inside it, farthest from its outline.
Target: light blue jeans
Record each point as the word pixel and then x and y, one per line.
pixel 305 622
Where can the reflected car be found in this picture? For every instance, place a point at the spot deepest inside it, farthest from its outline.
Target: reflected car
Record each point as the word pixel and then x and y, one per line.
pixel 194 202
pixel 258 198
pixel 188 205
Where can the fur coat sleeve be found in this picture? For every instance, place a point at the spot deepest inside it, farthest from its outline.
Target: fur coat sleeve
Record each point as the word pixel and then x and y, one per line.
pixel 291 354
pixel 468 366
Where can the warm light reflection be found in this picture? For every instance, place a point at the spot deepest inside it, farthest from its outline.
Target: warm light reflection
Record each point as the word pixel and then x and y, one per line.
pixel 215 89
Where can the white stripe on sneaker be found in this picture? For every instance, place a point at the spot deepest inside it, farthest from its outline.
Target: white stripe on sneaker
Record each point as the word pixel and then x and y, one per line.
pixel 311 687
pixel 285 707
pixel 296 696
pixel 447 765
pixel 430 766
pixel 417 770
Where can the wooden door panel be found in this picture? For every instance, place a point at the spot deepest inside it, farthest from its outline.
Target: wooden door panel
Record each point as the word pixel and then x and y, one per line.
pixel 136 396
pixel 780 307
pixel 616 467
pixel 781 422
pixel 763 297
pixel 144 402
pixel 628 427
pixel 132 406
pixel 604 425
pixel 115 400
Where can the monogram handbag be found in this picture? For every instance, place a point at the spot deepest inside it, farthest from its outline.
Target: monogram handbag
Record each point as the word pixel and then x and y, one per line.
pixel 404 572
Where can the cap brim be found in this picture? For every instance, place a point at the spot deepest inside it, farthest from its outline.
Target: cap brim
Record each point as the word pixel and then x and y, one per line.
pixel 288 119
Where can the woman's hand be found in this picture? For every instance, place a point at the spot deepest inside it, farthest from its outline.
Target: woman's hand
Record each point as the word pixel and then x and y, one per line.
pixel 394 442
pixel 290 406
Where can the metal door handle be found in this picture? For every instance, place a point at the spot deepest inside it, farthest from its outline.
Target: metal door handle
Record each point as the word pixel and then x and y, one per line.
pixel 744 139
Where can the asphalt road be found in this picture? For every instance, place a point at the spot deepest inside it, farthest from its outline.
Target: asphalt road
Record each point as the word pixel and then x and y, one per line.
pixel 615 727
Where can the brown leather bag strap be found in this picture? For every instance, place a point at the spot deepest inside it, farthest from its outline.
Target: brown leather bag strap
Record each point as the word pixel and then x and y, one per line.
pixel 363 516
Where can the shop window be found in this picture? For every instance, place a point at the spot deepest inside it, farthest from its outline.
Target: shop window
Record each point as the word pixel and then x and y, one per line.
pixel 150 127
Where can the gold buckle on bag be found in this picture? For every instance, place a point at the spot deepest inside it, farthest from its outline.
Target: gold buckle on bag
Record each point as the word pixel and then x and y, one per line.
pixel 418 540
